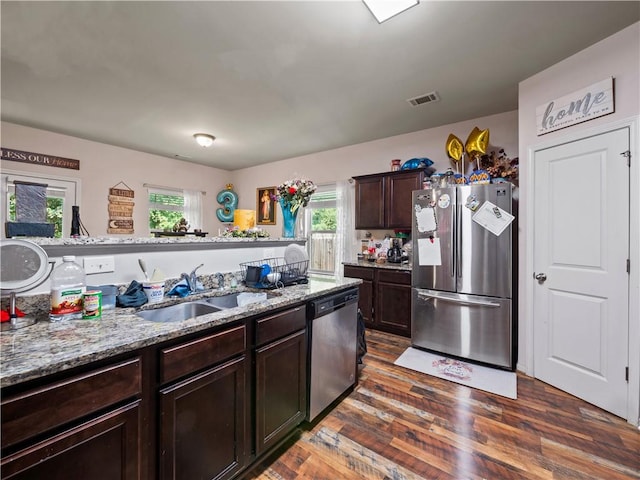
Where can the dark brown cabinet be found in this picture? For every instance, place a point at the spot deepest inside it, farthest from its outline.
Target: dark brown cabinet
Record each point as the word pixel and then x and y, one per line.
pixel 365 291
pixel 383 200
pixel 385 298
pixel 202 424
pixel 204 406
pixel 281 376
pixel 370 202
pixel 393 301
pixel 105 448
pixel 83 426
pixel 204 417
pixel 398 197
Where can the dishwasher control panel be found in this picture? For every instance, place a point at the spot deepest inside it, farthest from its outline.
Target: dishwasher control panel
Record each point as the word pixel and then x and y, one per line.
pixel 332 302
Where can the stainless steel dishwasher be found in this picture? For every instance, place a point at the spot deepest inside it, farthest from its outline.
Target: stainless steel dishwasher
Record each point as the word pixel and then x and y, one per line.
pixel 333 348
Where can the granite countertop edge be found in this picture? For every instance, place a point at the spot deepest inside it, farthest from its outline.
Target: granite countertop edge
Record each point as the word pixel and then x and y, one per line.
pixel 387 266
pixel 47 348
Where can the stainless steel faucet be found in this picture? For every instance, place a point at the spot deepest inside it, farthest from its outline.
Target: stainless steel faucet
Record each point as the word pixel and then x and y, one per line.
pixel 192 279
pixel 220 278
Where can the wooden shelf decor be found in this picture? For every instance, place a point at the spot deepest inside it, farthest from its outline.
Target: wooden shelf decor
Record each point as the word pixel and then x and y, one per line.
pixel 121 209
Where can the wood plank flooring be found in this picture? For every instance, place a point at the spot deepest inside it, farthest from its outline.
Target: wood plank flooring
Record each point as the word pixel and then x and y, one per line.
pixel 403 425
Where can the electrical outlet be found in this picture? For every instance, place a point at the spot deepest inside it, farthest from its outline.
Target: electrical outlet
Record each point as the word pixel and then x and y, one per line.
pixel 268 253
pixel 99 264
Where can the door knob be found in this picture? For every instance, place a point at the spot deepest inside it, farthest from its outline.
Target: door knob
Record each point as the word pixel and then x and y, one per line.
pixel 541 277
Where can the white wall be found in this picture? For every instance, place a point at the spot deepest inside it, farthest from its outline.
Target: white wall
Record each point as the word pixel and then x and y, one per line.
pixel 103 166
pixel 617 56
pixel 373 157
pixel 171 263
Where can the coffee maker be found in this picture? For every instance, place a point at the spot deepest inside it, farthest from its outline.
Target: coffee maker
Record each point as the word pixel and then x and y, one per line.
pixel 394 254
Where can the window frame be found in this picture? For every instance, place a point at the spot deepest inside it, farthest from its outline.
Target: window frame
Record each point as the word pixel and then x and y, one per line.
pixel 69 187
pixel 161 206
pixel 326 197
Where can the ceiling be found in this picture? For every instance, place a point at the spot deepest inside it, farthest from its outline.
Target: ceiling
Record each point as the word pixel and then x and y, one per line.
pixel 276 80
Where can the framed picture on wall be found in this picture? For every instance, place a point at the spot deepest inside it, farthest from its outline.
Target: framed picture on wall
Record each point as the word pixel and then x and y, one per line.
pixel 266 206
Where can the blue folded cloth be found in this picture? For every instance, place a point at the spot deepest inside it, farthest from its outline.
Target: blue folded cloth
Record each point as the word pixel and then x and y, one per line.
pixel 181 289
pixel 134 296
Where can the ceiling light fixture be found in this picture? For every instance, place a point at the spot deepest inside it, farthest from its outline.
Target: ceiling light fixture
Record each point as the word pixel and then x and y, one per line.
pixel 204 139
pixel 385 9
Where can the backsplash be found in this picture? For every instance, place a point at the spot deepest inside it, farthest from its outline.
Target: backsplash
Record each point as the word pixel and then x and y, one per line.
pixel 38 305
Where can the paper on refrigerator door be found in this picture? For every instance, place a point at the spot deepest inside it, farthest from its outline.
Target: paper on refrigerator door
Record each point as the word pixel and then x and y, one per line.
pixel 429 251
pixel 426 219
pixel 493 218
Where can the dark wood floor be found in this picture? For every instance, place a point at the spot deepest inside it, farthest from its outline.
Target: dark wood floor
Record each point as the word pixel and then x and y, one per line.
pixel 399 424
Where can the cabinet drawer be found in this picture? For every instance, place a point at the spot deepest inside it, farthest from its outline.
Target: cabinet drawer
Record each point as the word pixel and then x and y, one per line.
pixel 394 276
pixel 279 325
pixel 178 361
pixel 42 409
pixel 103 448
pixel 359 272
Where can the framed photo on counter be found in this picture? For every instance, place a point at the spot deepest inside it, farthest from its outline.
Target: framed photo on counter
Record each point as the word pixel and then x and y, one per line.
pixel 266 206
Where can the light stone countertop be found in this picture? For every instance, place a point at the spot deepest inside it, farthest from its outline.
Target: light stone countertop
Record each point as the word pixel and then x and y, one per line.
pixel 81 241
pixel 46 348
pixel 386 265
pixel 114 245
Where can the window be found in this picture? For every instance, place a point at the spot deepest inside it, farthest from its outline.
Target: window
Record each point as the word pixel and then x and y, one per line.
pixel 321 220
pixel 62 194
pixel 166 208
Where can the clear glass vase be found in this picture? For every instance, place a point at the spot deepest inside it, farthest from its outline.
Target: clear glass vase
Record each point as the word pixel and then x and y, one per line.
pixel 288 219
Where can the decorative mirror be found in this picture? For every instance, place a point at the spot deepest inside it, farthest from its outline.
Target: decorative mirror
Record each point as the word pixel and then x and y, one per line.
pixel 24 266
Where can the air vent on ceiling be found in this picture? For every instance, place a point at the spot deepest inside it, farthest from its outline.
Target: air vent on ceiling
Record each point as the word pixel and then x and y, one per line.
pixel 426 98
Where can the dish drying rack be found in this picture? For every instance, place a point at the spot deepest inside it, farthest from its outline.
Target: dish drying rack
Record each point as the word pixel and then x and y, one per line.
pixel 289 273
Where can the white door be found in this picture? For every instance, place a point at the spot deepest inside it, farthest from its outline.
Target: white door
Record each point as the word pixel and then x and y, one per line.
pixel 581 315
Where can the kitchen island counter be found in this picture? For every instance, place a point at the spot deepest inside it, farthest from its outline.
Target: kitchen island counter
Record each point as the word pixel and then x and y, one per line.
pixel 47 348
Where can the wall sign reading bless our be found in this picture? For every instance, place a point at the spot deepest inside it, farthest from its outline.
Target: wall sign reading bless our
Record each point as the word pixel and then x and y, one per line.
pixel 39 159
pixel 577 107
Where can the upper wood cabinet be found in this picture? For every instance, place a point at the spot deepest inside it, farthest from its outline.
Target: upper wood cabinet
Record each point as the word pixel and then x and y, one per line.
pixel 383 200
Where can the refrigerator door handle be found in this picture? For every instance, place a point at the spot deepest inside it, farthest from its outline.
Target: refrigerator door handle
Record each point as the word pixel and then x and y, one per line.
pixel 459 301
pixel 458 256
pixel 454 258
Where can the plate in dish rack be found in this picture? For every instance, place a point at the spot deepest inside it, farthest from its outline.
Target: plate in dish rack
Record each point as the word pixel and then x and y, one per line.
pixel 294 254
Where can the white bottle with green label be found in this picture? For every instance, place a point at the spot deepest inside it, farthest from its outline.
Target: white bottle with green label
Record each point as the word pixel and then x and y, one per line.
pixel 68 283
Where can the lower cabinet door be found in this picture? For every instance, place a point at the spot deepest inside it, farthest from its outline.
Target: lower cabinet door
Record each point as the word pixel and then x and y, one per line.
pixel 203 422
pixel 365 291
pixel 281 389
pixel 393 311
pixel 106 448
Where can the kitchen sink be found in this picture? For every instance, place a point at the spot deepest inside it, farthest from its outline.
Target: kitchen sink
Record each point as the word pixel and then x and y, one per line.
pixel 231 300
pixel 179 312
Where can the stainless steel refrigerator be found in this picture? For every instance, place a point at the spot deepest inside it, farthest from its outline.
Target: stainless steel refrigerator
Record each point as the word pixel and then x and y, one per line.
pixel 462 301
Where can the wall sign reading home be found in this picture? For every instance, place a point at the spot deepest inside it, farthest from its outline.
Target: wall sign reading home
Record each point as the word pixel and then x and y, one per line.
pixel 577 107
pixel 39 159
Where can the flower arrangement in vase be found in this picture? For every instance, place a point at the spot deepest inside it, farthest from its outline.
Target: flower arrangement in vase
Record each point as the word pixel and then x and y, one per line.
pixel 499 166
pixel 292 195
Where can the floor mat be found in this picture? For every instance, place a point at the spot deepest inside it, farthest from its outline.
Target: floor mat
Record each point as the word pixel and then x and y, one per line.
pixel 492 380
